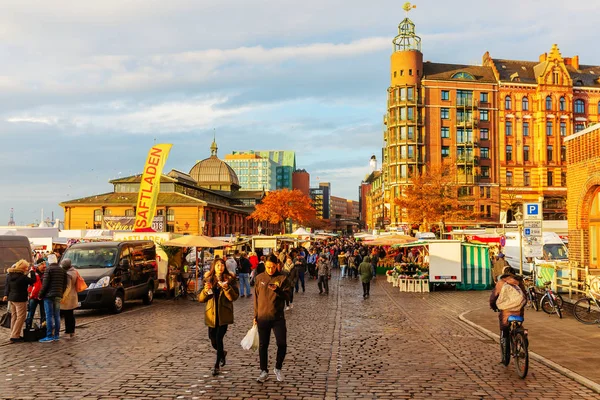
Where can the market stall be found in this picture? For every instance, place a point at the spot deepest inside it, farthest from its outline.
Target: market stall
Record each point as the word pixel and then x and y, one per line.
pixel 476 267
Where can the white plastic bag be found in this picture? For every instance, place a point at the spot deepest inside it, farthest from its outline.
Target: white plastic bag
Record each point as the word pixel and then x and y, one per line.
pixel 250 341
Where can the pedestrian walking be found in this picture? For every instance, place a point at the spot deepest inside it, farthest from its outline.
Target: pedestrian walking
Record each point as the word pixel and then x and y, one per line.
pixel 53 287
pixel 290 271
pixel 232 265
pixel 300 263
pixel 498 267
pixel 244 268
pixel 271 290
pixel 366 274
pixel 34 296
pixel 343 261
pixel 70 299
pixel 15 291
pixel 219 292
pixel 323 270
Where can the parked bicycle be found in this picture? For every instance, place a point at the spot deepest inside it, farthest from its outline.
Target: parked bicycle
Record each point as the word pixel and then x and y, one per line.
pixel 532 293
pixel 517 346
pixel 551 302
pixel 587 309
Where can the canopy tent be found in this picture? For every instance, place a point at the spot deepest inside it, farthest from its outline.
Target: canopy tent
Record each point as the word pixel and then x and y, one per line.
pixel 301 232
pixel 476 266
pixel 390 240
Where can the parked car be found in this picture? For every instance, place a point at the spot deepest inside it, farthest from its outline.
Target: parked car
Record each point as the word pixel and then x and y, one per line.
pixel 425 236
pixel 12 249
pixel 115 272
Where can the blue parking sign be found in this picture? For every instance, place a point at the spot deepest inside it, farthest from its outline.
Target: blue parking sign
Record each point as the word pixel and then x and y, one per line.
pixel 527 231
pixel 533 209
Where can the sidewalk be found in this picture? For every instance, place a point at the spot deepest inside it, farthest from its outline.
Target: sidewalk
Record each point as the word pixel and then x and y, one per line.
pixel 566 341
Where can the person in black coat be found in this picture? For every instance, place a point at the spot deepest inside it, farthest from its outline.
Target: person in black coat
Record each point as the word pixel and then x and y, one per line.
pixel 53 286
pixel 15 291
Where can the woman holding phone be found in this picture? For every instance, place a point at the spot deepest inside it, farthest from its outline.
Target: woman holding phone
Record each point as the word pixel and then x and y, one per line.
pixel 220 291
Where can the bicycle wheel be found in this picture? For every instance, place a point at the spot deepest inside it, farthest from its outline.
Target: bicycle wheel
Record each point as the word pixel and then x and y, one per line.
pixel 547 305
pixel 585 311
pixel 533 300
pixel 558 300
pixel 521 354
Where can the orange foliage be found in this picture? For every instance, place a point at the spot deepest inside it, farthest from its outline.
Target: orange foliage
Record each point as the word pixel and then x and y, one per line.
pixel 318 224
pixel 281 205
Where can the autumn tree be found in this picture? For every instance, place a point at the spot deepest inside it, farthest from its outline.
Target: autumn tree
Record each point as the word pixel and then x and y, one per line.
pixel 280 205
pixel 318 224
pixel 433 198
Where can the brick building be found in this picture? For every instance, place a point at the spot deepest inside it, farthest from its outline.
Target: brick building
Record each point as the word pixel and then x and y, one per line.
pixel 583 184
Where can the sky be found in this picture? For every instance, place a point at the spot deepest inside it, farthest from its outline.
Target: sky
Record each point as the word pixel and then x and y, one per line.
pixel 87 87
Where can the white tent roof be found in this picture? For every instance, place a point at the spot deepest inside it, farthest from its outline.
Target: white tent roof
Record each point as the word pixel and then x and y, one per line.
pixel 301 232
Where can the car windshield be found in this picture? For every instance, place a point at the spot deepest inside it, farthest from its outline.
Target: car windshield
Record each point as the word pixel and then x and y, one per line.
pixel 555 251
pixel 92 258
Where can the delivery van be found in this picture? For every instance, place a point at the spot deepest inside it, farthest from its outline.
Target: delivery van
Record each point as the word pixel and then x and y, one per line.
pixel 554 250
pixel 12 249
pixel 115 272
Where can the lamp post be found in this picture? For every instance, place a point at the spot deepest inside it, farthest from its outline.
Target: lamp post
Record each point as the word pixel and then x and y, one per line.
pixel 519 219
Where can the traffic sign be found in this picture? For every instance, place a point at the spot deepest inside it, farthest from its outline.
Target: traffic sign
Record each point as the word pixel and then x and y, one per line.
pixel 533 251
pixel 532 224
pixel 532 232
pixel 532 211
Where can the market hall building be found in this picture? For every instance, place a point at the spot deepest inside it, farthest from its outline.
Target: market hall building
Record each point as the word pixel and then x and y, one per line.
pixel 207 200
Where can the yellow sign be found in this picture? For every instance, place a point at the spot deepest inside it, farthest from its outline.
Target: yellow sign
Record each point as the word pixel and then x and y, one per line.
pixel 150 186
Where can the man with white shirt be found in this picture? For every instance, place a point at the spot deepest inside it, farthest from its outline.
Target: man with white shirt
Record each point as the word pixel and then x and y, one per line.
pixel 231 264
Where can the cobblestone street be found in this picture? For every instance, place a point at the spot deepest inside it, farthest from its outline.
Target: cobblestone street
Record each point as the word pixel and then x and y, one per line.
pixel 390 346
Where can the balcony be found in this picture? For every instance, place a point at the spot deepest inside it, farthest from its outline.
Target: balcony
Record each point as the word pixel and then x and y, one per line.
pixel 466 102
pixel 466 143
pixel 467 160
pixel 466 123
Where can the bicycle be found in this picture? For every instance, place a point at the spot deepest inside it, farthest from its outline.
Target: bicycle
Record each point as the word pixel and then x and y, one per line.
pixel 551 302
pixel 519 346
pixel 587 309
pixel 531 293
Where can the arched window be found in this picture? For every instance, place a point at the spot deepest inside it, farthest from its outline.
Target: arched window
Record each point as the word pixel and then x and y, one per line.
pixel 562 104
pixel 548 103
pixel 579 106
pixel 507 103
pixel 525 104
pixel 463 75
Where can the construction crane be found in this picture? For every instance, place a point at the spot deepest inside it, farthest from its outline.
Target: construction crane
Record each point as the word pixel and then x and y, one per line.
pixel 11 220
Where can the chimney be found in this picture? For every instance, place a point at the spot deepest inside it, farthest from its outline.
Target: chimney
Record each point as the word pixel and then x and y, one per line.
pixel 575 62
pixel 543 57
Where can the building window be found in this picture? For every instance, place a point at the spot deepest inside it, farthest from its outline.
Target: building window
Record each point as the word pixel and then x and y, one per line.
pixel 445 113
pixel 509 178
pixel 549 151
pixel 562 104
pixel 508 153
pixel 579 106
pixel 483 98
pixel 526 178
pixel 445 132
pixel 555 77
pixel 484 134
pixel 525 104
pixel 525 153
pixel 485 172
pixel 563 129
pixel 170 215
pixel 410 72
pixel 563 179
pixel 129 213
pixel 484 152
pixel 445 95
pixel 548 103
pixel 563 153
pixel 98 216
pixel 550 178
pixel 484 115
pixel 507 103
pixel 508 128
pixel 598 107
pixel 445 151
pixel 411 93
pixel 579 127
pixel 525 128
pixel 549 128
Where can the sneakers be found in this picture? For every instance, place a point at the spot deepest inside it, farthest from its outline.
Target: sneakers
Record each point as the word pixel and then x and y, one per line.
pixel 278 375
pixel 47 339
pixel 264 375
pixel 223 362
pixel 216 371
pixel 56 338
pixel 292 305
pixel 287 308
pixel 243 295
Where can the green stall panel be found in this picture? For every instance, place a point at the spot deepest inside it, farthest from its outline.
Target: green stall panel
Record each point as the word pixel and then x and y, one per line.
pixel 476 267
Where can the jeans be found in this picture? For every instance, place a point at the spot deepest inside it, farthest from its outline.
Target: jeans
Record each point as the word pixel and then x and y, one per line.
pixel 291 300
pixel 264 335
pixel 52 308
pixel 244 284
pixel 216 336
pixel 343 273
pixel 374 267
pixel 33 303
pixel 300 280
pixel 323 284
pixel 69 320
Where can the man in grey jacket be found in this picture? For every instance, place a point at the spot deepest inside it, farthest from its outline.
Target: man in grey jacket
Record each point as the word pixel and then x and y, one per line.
pixel 53 286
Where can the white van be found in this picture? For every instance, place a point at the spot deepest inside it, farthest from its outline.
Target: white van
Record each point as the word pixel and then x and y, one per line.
pixel 553 247
pixel 425 236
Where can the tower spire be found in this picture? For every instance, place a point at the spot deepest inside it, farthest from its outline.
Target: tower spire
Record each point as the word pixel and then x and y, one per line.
pixel 407 39
pixel 213 146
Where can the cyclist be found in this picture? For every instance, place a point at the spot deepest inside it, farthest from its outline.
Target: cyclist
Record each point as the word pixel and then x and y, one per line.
pixel 508 276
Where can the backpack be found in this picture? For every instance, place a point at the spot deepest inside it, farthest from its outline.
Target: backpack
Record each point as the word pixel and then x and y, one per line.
pixel 511 298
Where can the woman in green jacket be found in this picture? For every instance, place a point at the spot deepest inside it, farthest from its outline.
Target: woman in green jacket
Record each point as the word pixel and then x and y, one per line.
pixel 220 291
pixel 366 274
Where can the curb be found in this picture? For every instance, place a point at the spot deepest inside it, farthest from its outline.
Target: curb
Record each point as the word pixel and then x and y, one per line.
pixel 543 360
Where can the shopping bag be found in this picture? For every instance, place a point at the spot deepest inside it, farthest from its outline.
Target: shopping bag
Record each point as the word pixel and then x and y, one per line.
pixel 5 320
pixel 250 341
pixel 80 285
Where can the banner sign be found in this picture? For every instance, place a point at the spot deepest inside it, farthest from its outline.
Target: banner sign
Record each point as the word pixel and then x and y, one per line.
pixel 127 223
pixel 150 186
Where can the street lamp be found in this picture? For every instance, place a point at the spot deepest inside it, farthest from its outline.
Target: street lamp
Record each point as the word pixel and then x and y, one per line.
pixel 519 219
pixel 259 228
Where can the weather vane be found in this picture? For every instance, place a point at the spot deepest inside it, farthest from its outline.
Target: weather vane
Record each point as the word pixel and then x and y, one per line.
pixel 407 7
